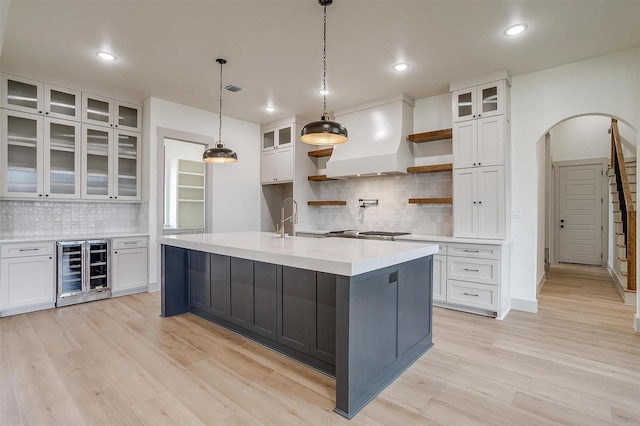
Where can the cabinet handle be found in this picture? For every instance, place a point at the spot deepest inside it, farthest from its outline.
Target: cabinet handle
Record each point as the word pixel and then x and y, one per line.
pixel 471 251
pixel 471 270
pixel 479 115
pixel 129 242
pixel 479 164
pixel 479 202
pixel 39 195
pixel 29 249
pixel 39 112
pixel 474 202
pixel 471 294
pixel 46 113
pixel 115 252
pixel 474 164
pixel 46 195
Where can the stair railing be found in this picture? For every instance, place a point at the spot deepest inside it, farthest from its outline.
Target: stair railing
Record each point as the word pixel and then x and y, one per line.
pixel 627 212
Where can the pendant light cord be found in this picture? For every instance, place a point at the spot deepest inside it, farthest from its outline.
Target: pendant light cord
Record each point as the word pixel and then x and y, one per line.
pixel 324 61
pixel 220 114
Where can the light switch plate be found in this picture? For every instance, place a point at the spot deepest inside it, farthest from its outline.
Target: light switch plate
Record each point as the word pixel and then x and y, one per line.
pixel 516 213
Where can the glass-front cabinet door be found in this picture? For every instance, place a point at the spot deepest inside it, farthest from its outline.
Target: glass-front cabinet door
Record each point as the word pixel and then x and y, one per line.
pixel 62 159
pixel 127 167
pixel 97 110
pixel 96 162
pixel 464 107
pixel 268 140
pixel 22 94
pixel 21 157
pixel 490 99
pixel 63 103
pixel 129 117
pixel 284 137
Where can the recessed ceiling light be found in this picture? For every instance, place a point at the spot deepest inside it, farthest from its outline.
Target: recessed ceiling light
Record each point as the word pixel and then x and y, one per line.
pixel 106 55
pixel 324 91
pixel 400 67
pixel 515 29
pixel 270 108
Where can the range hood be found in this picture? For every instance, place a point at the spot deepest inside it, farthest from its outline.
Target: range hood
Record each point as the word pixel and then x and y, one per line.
pixel 377 143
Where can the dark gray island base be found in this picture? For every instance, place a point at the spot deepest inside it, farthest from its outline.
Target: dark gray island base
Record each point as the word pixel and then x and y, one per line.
pixel 364 329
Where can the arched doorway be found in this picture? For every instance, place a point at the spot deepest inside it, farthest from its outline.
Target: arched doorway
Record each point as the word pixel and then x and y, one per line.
pixel 575 204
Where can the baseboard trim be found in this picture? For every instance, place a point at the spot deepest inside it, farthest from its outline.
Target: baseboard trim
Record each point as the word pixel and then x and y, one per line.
pixel 153 287
pixel 25 309
pixel 129 291
pixel 627 297
pixel 541 281
pixel 524 305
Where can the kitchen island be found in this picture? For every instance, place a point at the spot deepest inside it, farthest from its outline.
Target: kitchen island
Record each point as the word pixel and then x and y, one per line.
pixel 356 309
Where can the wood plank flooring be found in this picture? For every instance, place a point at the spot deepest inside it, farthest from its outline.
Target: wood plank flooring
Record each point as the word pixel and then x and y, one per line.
pixel 115 362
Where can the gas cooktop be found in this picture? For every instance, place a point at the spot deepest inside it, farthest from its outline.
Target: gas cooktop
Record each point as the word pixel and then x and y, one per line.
pixel 371 235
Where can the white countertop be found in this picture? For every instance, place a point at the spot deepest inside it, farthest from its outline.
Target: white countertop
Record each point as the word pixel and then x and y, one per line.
pixel 423 238
pixel 341 256
pixel 71 237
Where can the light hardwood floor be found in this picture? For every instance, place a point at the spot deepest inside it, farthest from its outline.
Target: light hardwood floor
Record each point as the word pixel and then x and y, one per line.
pixel 577 361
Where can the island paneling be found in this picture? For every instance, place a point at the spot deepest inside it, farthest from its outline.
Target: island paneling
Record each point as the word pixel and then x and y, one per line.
pixel 365 329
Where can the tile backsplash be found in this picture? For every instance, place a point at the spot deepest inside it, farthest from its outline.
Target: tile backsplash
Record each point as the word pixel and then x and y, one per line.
pixel 393 212
pixel 48 218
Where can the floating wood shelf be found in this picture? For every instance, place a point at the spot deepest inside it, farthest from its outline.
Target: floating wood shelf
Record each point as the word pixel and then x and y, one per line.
pixel 430 169
pixel 327 203
pixel 441 200
pixel 319 178
pixel 321 153
pixel 436 135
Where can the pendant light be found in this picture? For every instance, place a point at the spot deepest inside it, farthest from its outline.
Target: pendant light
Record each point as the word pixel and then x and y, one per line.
pixel 325 131
pixel 220 154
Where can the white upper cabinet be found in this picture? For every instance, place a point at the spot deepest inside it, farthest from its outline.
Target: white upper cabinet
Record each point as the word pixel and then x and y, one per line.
pixel 101 111
pixel 479 142
pixel 62 103
pixel 22 94
pixel 62 142
pixel 277 138
pixel 110 164
pixel 22 158
pixel 485 100
pixel 277 159
pixel 35 97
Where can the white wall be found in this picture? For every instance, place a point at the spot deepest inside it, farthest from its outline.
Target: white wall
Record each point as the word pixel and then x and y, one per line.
pixel 541 161
pixel 588 137
pixel 540 100
pixel 4 18
pixel 236 187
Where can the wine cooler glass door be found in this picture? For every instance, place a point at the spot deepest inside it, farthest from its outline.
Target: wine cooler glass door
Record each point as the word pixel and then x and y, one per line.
pixel 69 269
pixel 98 266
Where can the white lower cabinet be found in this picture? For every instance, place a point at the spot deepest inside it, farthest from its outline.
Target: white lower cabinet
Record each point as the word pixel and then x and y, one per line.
pixel 474 295
pixel 129 266
pixel 27 277
pixel 439 277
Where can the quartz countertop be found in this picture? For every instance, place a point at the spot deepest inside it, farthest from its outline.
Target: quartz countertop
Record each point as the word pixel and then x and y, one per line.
pixel 420 238
pixel 71 237
pixel 341 256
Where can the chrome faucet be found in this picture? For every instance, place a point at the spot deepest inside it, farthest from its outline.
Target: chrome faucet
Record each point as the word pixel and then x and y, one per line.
pixel 293 217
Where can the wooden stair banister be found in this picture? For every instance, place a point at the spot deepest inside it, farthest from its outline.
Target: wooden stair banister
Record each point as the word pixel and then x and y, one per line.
pixel 628 212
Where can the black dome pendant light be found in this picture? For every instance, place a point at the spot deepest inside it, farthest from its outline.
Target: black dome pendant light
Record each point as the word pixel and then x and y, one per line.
pixel 325 131
pixel 220 154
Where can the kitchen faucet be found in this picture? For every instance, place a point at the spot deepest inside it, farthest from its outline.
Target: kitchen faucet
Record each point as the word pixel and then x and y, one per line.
pixel 293 217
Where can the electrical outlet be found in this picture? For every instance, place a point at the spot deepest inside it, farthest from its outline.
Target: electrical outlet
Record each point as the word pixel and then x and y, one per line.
pixel 393 277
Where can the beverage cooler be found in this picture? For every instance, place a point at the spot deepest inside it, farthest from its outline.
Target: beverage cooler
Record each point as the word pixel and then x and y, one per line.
pixel 83 271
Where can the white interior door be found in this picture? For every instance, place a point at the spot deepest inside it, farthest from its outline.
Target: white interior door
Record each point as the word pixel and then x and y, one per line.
pixel 580 226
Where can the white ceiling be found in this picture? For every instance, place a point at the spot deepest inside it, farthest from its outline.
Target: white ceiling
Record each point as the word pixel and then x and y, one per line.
pixel 167 49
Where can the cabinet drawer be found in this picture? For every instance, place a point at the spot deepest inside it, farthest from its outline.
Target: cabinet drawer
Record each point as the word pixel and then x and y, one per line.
pixel 27 249
pixel 125 243
pixel 485 271
pixel 479 251
pixel 473 295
